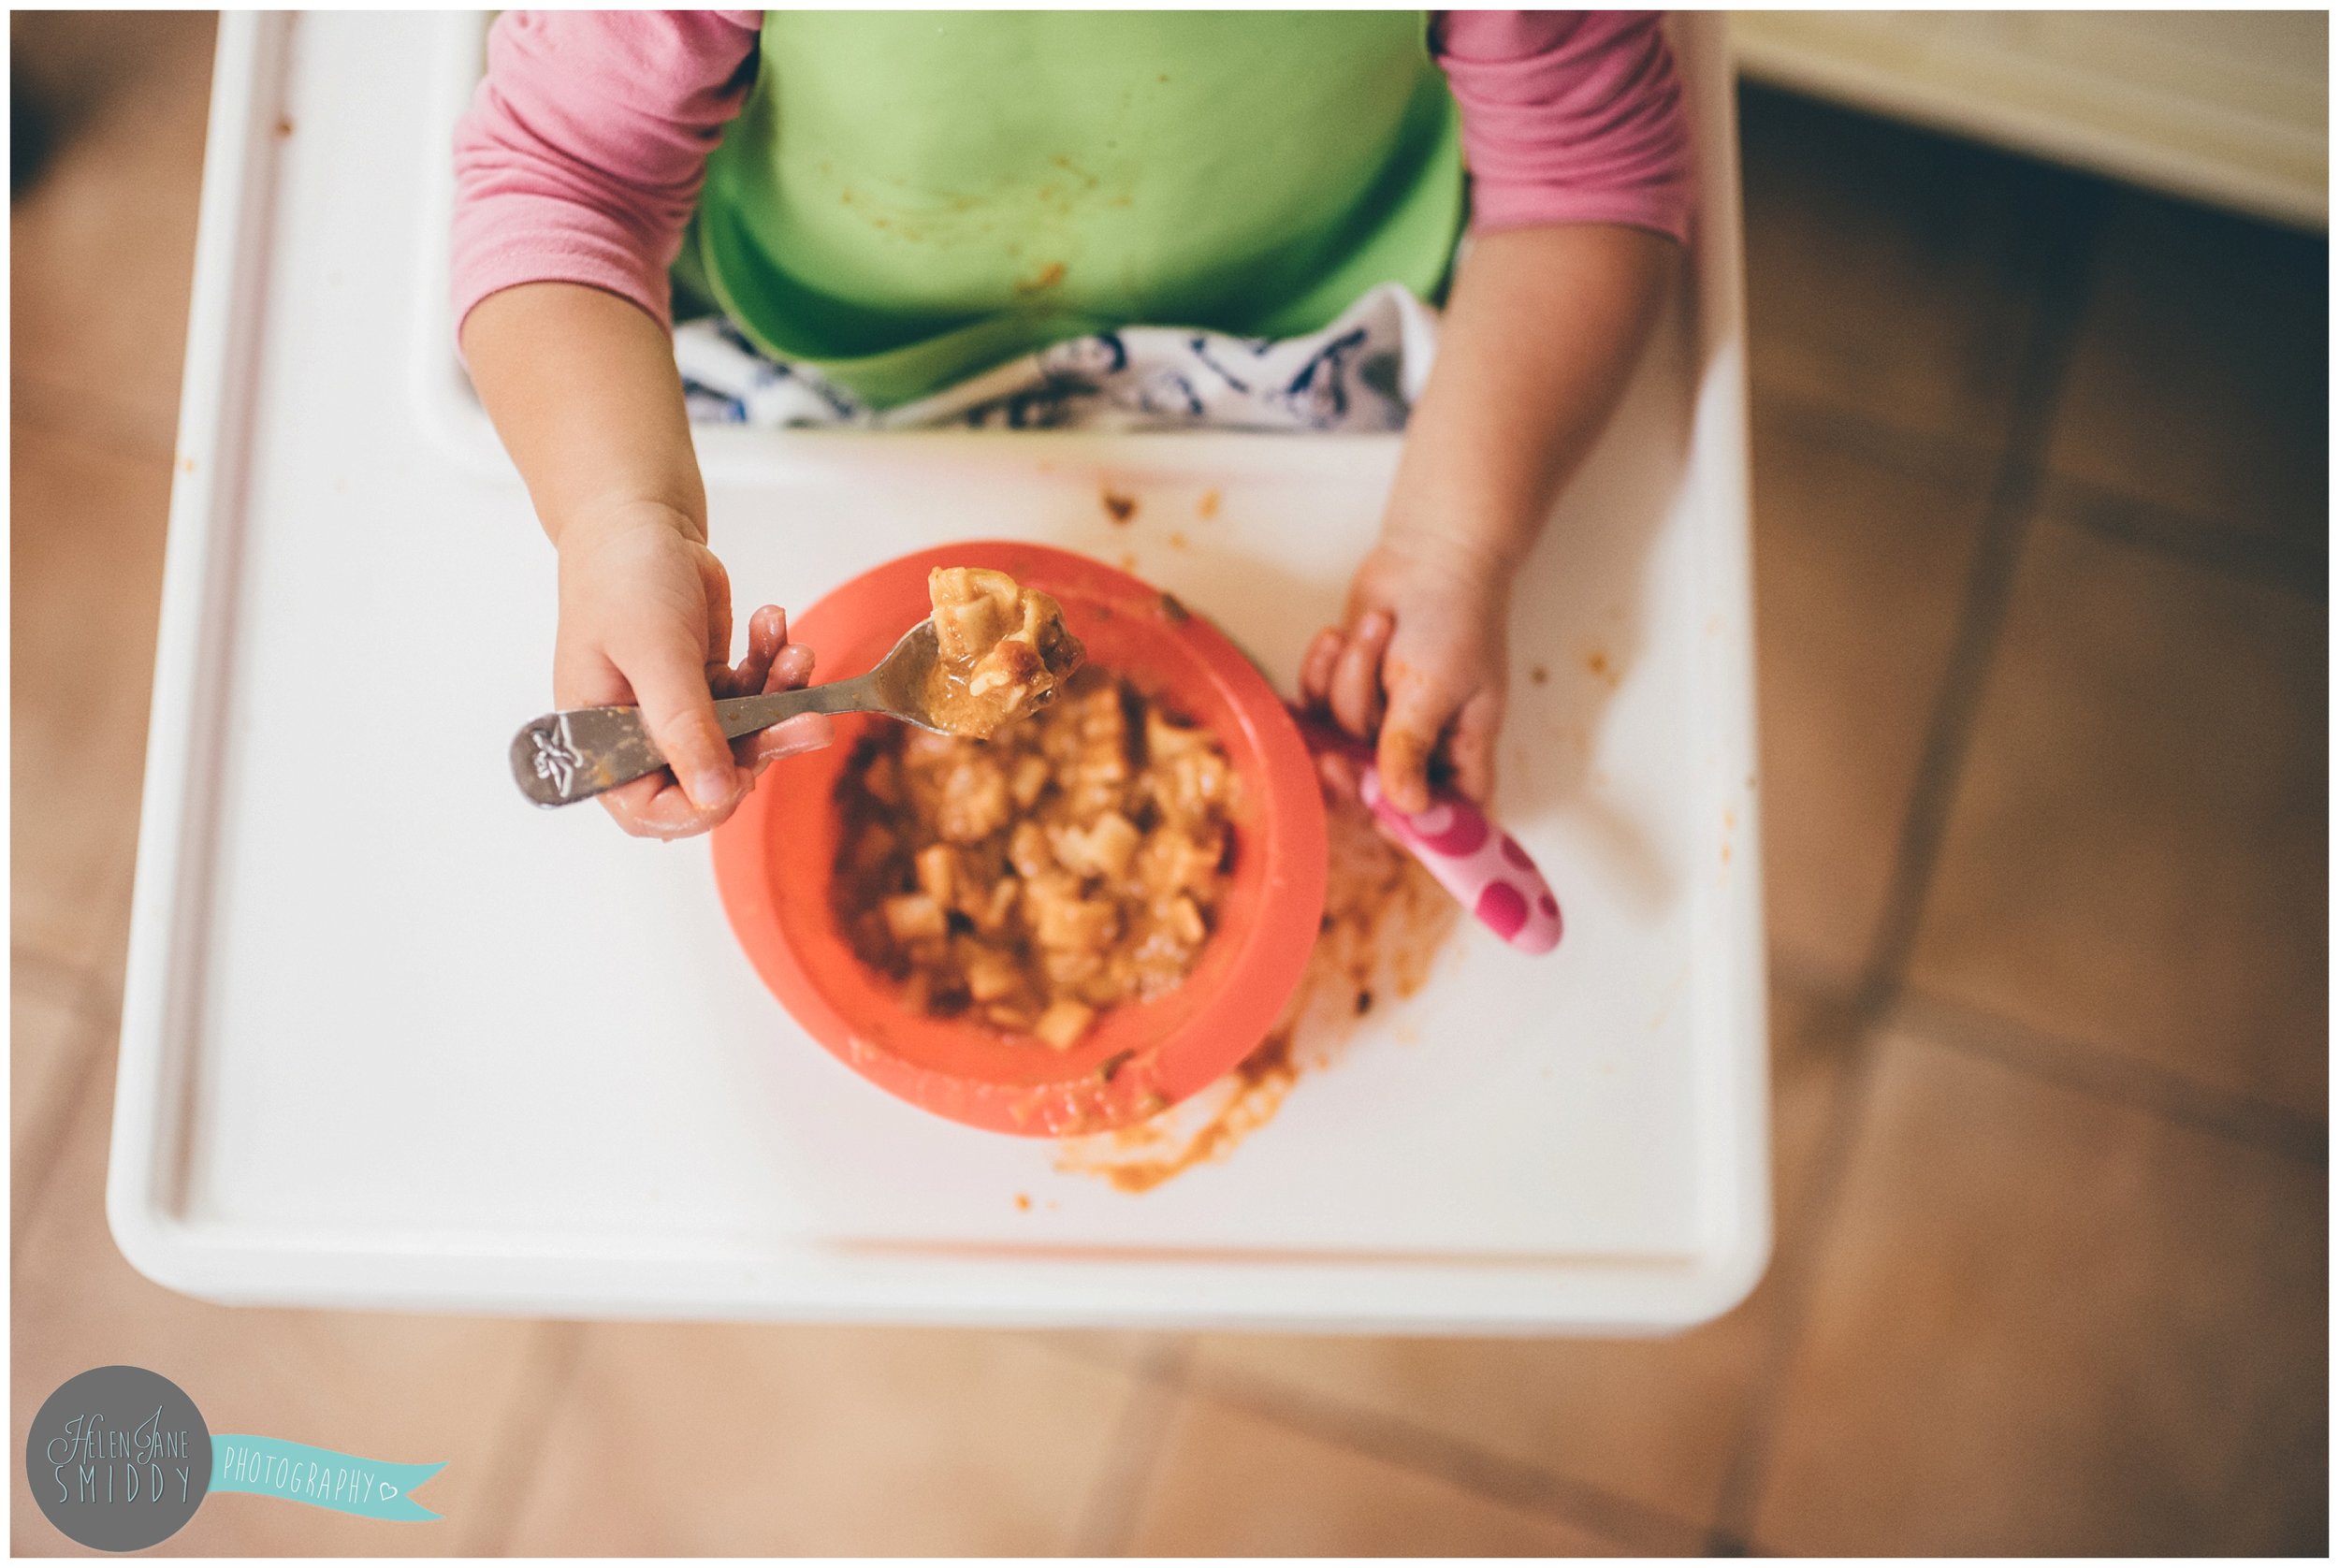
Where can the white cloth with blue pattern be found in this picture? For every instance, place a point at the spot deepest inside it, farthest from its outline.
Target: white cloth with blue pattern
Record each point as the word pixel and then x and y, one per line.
pixel 1362 373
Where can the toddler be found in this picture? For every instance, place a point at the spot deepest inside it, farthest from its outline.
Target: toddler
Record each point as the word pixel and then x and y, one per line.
pixel 896 203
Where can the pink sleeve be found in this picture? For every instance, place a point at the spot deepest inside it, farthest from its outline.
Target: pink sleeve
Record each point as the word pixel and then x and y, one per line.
pixel 1569 117
pixel 580 158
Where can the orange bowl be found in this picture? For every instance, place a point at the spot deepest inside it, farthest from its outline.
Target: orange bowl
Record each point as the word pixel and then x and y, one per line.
pixel 775 860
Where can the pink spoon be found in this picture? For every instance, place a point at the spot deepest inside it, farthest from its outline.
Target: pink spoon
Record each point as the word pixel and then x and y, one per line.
pixel 1475 861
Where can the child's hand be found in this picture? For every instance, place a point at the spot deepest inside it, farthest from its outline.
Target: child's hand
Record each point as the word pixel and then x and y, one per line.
pixel 1422 662
pixel 645 618
pixel 1542 329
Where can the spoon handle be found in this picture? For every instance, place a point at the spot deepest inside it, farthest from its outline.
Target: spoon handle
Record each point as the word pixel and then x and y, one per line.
pixel 743 716
pixel 577 753
pixel 1484 869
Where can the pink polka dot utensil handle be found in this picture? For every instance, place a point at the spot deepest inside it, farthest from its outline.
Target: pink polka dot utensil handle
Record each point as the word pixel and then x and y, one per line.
pixel 1472 858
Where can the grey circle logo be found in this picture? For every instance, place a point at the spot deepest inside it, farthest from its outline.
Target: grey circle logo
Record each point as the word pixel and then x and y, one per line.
pixel 119 1458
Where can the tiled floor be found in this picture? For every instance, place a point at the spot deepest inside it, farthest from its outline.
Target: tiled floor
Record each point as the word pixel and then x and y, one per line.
pixel 2042 539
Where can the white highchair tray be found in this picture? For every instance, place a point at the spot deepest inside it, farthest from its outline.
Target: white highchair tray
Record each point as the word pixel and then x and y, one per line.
pixel 393 1037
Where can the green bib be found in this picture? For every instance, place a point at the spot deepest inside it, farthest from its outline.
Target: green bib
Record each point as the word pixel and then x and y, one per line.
pixel 908 198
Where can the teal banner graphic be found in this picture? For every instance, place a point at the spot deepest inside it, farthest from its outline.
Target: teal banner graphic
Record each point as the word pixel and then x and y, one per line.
pixel 318 1476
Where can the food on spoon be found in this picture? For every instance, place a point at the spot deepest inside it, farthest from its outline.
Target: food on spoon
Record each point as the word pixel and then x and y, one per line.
pixel 1032 880
pixel 1004 649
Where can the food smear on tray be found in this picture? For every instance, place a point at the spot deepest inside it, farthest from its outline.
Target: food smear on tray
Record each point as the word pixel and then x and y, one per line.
pixel 1004 651
pixel 1385 922
pixel 1029 881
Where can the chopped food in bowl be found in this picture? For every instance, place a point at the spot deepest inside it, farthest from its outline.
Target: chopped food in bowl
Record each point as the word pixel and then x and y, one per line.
pixel 1069 926
pixel 1071 862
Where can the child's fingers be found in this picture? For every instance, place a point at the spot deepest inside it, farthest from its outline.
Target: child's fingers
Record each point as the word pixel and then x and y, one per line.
pixel 1338 773
pixel 715 581
pixel 679 711
pixel 1356 685
pixel 657 807
pixel 627 802
pixel 809 733
pixel 584 676
pixel 652 806
pixel 1417 713
pixel 1471 748
pixel 767 634
pixel 1316 666
pixel 791 669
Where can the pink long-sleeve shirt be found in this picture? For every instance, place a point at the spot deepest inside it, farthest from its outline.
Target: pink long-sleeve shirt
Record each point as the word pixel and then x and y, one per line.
pixel 580 161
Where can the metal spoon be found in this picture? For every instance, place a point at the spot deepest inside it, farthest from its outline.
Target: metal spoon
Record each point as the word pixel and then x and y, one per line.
pixel 579 752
